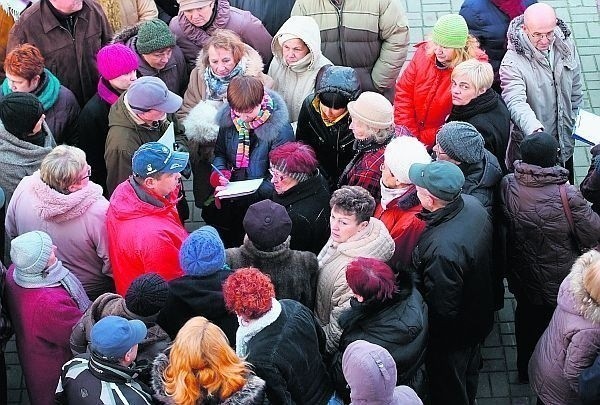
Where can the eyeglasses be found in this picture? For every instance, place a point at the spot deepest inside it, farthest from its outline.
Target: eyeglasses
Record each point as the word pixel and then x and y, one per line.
pixel 539 35
pixel 89 173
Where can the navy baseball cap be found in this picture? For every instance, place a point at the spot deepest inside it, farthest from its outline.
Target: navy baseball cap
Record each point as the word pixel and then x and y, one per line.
pixel 154 157
pixel 113 336
pixel 442 179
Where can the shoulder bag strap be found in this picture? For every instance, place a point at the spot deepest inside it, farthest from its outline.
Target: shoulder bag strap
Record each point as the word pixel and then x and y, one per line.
pixel 568 213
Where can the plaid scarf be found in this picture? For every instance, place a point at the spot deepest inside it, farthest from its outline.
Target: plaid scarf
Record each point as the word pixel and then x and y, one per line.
pixel 242 157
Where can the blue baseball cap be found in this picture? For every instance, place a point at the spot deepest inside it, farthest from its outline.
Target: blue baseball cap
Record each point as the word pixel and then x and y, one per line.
pixel 442 179
pixel 154 157
pixel 113 336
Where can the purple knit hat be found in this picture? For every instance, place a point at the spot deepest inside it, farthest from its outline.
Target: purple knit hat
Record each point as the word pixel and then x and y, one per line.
pixel 116 60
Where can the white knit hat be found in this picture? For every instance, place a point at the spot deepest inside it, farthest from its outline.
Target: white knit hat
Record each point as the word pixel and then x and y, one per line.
pixel 373 109
pixel 401 153
pixel 30 252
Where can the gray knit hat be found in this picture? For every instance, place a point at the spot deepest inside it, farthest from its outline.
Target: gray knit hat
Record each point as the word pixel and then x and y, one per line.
pixel 30 252
pixel 461 141
pixel 153 35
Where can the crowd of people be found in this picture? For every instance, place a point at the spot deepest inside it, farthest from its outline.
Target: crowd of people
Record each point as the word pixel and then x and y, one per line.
pixel 391 202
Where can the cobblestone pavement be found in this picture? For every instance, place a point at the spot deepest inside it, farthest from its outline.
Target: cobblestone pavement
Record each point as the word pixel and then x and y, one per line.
pixel 498 379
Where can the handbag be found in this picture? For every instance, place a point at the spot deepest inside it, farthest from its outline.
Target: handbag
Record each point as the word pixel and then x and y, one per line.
pixel 569 215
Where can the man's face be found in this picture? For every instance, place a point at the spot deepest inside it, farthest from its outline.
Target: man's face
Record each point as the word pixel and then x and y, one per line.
pixel 166 184
pixel 425 198
pixel 201 15
pixel 67 6
pixel 540 32
pixel 158 59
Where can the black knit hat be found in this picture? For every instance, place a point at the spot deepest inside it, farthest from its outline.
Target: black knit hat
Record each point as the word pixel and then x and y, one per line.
pixel 19 112
pixel 147 294
pixel 540 149
pixel 267 224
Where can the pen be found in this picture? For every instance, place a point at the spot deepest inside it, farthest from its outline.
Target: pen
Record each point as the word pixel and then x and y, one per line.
pixel 218 171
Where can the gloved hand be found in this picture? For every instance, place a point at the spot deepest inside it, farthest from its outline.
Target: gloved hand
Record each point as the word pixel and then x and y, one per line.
pixel 217 180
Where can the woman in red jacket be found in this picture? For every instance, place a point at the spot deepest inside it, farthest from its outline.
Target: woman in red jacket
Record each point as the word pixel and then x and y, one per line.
pixel 423 99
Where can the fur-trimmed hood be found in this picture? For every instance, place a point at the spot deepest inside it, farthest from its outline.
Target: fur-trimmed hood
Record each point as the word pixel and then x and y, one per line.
pixel 126 36
pixel 251 393
pixel 271 128
pixel 585 304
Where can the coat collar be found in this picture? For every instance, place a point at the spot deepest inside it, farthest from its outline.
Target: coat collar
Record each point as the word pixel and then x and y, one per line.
pixel 49 20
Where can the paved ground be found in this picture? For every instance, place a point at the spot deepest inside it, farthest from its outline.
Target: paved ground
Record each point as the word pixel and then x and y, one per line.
pixel 498 382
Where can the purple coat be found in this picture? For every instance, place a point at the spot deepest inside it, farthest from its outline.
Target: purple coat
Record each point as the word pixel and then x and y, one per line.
pixel 42 319
pixel 571 342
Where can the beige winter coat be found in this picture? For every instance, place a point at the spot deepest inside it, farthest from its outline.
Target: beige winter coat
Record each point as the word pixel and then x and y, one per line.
pixel 123 13
pixel 297 81
pixel 333 293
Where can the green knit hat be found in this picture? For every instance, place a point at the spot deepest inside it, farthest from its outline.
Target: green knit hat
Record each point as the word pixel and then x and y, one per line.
pixel 450 31
pixel 154 35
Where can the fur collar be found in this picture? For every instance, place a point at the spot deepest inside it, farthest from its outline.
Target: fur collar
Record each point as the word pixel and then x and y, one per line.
pixel 126 34
pixel 251 393
pixel 251 59
pixel 517 40
pixel 267 131
pixel 585 304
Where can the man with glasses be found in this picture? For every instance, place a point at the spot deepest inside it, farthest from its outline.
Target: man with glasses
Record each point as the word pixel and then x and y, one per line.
pixel 541 81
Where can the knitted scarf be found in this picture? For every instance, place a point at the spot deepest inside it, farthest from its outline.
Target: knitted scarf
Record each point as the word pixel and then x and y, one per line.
pixel 248 329
pixel 390 194
pixel 217 85
pixel 106 92
pixel 47 91
pixel 511 8
pixel 52 276
pixel 242 157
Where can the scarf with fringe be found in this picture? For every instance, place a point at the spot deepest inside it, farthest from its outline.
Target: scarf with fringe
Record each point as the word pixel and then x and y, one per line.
pixel 242 156
pixel 217 85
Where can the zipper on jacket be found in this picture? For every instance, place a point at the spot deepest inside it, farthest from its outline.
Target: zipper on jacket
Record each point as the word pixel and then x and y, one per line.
pixel 338 10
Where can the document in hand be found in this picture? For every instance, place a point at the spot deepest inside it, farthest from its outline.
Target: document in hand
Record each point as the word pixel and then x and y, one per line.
pixel 587 128
pixel 239 188
pixel 168 138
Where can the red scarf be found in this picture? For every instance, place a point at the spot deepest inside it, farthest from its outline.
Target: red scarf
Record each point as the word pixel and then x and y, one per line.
pixel 511 8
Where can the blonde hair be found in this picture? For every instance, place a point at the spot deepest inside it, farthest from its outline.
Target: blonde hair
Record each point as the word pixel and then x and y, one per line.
pixel 479 74
pixel 224 39
pixel 202 363
pixel 469 51
pixel 62 166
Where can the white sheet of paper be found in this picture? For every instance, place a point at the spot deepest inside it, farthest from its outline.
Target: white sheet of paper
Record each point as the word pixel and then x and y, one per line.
pixel 587 127
pixel 239 188
pixel 168 138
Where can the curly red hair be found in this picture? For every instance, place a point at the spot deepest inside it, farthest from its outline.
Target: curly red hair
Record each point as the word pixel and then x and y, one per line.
pixel 25 61
pixel 248 292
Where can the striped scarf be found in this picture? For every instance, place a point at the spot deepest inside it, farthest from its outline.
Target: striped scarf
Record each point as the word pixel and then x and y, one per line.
pixel 242 156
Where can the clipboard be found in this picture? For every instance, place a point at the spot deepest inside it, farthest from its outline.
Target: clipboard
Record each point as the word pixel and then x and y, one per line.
pixel 239 188
pixel 587 128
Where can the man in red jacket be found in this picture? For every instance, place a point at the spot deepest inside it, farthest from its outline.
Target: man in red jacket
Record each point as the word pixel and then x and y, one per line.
pixel 144 230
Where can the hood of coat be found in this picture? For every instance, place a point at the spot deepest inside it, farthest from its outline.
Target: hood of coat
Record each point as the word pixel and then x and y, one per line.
pixel 251 61
pixel 519 42
pixel 201 292
pixel 271 128
pixel 486 173
pixel 126 36
pixel 305 28
pixel 582 302
pixel 536 176
pixel 371 373
pixel 57 207
pixel 340 80
pixel 253 392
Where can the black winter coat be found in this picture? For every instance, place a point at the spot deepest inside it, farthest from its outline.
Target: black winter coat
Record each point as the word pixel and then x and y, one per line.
pixel 92 130
pixel 307 204
pixel 453 264
pixel 398 325
pixel 540 247
pixel 489 115
pixel 590 186
pixel 191 296
pixel 287 355
pixel 482 179
pixel 332 144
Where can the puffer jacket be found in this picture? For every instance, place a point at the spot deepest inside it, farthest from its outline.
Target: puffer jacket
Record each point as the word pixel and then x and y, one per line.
pixel 252 393
pixel 295 82
pixel 452 262
pixel 274 132
pixel 175 74
pixel 307 204
pixel 272 13
pixel 399 325
pixel 540 248
pixel 333 293
pixel 198 116
pixel 572 340
pixel 292 272
pixel 482 179
pixel 191 39
pixel 540 95
pixel 489 115
pixel 107 304
pixel 489 24
pixel 423 99
pixel 125 136
pixel 332 143
pixel 372 37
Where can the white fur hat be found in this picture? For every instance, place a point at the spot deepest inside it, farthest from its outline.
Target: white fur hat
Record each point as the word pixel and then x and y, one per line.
pixel 401 153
